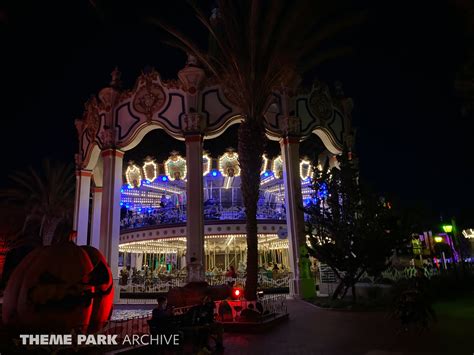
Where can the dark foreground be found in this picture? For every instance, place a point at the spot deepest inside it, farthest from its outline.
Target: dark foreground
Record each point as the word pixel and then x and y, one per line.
pixel 311 330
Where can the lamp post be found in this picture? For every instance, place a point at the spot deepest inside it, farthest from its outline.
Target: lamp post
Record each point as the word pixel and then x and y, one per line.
pixel 439 239
pixel 448 228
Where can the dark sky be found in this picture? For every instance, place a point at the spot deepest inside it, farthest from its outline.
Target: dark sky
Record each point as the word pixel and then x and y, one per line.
pixel 411 140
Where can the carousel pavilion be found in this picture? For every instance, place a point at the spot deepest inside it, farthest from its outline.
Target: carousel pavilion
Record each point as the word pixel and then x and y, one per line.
pixel 154 213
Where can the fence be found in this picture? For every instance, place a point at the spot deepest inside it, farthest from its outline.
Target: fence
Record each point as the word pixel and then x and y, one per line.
pixel 177 214
pixel 271 305
pixel 158 285
pixel 122 327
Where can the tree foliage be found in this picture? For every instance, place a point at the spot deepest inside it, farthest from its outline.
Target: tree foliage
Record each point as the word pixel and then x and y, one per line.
pixel 255 47
pixel 46 196
pixel 351 230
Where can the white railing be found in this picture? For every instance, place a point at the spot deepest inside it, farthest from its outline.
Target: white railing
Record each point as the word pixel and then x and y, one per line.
pixel 270 305
pixel 157 285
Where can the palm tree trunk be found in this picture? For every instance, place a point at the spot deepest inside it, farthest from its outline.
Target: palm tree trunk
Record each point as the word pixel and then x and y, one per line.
pixel 251 147
pixel 48 229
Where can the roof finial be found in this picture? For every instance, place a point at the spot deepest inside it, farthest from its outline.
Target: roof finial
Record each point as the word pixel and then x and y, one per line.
pixel 192 60
pixel 116 75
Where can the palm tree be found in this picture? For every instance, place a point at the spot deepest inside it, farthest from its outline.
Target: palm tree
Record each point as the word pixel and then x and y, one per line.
pixel 258 47
pixel 47 197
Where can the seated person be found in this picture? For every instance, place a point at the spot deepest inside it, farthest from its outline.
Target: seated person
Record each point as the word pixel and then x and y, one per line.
pixel 249 313
pixel 231 272
pixel 203 316
pixel 161 316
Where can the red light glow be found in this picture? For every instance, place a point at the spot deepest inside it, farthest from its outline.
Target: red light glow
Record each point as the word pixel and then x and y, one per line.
pixel 236 293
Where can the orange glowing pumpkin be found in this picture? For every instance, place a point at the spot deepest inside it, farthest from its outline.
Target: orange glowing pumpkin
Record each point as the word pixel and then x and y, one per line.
pixel 59 288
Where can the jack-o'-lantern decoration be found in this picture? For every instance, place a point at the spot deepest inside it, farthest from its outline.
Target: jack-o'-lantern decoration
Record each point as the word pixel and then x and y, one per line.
pixel 59 288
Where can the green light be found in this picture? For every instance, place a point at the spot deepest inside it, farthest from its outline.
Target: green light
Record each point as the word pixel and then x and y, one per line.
pixel 448 228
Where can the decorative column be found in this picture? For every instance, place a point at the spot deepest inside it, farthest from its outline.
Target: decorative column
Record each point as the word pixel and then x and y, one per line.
pixel 303 284
pixel 96 214
pixel 110 211
pixel 191 76
pixel 194 205
pixel 81 207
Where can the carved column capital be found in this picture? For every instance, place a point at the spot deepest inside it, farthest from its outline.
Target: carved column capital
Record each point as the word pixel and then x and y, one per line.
pixel 191 75
pixel 109 138
pixel 193 123
pixel 291 126
pixel 78 161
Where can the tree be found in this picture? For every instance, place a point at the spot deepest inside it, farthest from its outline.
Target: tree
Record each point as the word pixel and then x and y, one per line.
pixel 256 48
pixel 47 197
pixel 350 230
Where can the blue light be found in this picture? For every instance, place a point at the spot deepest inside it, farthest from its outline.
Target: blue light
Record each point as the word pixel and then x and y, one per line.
pixel 139 210
pixel 214 173
pixel 149 210
pixel 121 203
pixel 322 192
pixel 128 206
pixel 266 174
pixel 121 190
pixel 164 178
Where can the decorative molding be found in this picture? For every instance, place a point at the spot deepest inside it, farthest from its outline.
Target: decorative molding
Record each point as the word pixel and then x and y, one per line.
pixel 149 99
pixel 226 108
pixel 291 126
pixel 118 124
pixel 320 102
pixel 111 151
pixel 85 173
pixel 191 75
pixel 192 123
pixel 91 118
pixel 78 160
pixel 109 137
pixel 169 121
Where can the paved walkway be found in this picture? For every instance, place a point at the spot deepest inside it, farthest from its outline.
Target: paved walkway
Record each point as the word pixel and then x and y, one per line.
pixel 312 330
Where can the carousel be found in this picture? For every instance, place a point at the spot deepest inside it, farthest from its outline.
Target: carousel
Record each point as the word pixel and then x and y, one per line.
pixel 153 200
pixel 161 214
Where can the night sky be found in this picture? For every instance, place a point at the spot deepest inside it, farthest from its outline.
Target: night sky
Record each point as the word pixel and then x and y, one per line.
pixel 412 142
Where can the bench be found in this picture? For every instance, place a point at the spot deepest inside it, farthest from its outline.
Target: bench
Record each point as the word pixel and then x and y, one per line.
pixel 198 331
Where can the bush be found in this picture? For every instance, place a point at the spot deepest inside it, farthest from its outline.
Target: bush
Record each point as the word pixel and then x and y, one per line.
pixel 452 283
pixel 385 281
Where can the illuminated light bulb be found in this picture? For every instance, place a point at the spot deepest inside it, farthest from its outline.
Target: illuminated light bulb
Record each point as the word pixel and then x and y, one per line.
pixel 150 168
pixel 305 169
pixel 264 164
pixel 175 167
pixel 277 167
pixel 229 164
pixel 133 175
pixel 206 164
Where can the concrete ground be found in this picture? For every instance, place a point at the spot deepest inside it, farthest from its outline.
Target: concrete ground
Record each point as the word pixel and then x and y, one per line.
pixel 312 330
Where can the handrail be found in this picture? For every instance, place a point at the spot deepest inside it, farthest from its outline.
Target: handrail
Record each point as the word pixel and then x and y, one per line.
pixel 214 212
